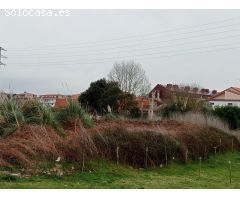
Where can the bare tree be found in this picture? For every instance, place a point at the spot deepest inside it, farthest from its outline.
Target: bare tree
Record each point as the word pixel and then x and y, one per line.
pixel 131 77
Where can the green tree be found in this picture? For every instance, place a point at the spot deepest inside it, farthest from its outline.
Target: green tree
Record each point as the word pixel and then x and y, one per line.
pixel 100 94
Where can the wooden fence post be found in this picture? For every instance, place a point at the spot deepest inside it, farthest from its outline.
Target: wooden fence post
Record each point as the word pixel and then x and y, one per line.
pixel 230 172
pixel 205 152
pixel 200 165
pixel 215 150
pixel 117 151
pixel 220 144
pixel 83 161
pixel 166 157
pixel 186 155
pixel 146 157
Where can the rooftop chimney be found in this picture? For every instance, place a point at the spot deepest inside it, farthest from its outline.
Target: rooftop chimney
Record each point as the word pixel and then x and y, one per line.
pixel 175 87
pixel 214 92
pixel 195 89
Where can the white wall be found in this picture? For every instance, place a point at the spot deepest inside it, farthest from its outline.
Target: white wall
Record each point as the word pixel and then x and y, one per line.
pixel 47 102
pixel 224 103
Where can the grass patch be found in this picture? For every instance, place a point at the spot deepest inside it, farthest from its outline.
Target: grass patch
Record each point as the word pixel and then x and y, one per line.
pixel 106 174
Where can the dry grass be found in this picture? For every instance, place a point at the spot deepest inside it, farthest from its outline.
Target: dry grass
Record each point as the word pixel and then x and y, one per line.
pixel 34 143
pixel 201 119
pixel 164 140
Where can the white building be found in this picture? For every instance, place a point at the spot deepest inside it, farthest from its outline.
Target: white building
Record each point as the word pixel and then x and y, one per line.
pixel 228 97
pixel 49 100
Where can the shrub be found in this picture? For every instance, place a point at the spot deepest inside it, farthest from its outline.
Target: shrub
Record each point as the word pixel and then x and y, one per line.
pixel 11 116
pixel 132 146
pixel 31 110
pixel 184 102
pixel 231 114
pixel 11 112
pixel 14 114
pixel 73 111
pixel 9 178
pixel 162 147
pixel 48 117
pixel 135 112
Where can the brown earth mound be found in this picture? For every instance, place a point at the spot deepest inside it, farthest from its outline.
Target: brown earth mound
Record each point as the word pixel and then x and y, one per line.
pixel 35 143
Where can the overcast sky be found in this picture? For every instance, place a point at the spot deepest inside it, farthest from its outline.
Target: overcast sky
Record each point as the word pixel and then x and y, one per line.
pixel 65 54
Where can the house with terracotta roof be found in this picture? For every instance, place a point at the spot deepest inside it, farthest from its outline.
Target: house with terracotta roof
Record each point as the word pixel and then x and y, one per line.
pixel 61 102
pixel 22 97
pixel 147 105
pixel 165 92
pixel 228 97
pixel 162 94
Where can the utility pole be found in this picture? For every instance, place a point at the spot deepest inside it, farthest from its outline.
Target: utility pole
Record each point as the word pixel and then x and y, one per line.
pixel 2 56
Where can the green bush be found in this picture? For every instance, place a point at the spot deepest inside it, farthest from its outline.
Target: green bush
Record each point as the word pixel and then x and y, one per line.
pixel 135 112
pixel 48 117
pixel 169 109
pixel 31 110
pixel 11 116
pixel 74 111
pixel 183 103
pixel 14 114
pixel 231 114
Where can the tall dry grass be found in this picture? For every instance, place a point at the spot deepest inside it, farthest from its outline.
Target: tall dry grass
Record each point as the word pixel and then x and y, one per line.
pixel 201 119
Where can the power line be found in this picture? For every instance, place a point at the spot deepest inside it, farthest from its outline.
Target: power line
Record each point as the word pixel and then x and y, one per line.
pixel 126 50
pixel 159 42
pixel 110 59
pixel 141 56
pixel 143 35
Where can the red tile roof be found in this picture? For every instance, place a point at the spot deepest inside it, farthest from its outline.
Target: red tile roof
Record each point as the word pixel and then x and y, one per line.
pixel 234 90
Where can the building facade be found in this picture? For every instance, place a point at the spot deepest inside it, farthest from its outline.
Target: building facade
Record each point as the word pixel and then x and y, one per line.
pixel 165 92
pixel 49 100
pixel 22 97
pixel 228 97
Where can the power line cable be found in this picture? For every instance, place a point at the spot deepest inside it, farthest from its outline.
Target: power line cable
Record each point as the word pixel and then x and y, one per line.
pixel 133 56
pixel 127 50
pixel 167 56
pixel 159 42
pixel 94 43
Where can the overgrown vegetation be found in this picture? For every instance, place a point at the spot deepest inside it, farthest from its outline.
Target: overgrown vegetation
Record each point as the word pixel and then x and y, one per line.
pixel 201 119
pixel 105 96
pixel 181 107
pixel 74 111
pixel 154 148
pixel 136 148
pixel 99 95
pixel 183 102
pixel 14 114
pixel 231 114
pixel 11 116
